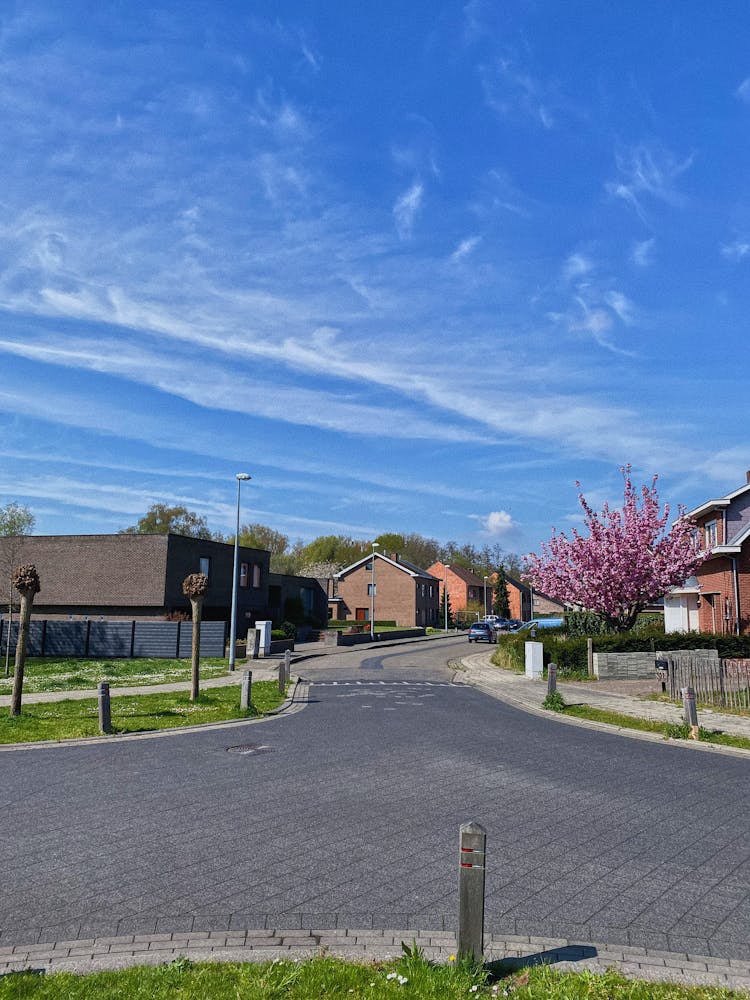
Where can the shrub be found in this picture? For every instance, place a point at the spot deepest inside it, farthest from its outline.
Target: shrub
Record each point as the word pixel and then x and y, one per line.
pixel 554 702
pixel 289 630
pixel 585 623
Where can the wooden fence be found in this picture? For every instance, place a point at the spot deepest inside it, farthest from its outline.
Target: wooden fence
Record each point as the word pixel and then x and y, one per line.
pixel 725 684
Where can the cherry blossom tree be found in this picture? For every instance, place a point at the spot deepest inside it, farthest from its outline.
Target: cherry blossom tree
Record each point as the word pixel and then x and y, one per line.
pixel 628 560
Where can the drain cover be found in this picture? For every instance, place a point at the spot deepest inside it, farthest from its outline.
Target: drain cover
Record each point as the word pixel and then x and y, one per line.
pixel 248 748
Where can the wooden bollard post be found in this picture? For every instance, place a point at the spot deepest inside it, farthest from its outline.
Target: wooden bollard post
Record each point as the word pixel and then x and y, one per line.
pixel 472 840
pixel 105 712
pixel 287 664
pixel 551 678
pixel 691 712
pixel 590 657
pixel 282 678
pixel 246 689
pixel 256 643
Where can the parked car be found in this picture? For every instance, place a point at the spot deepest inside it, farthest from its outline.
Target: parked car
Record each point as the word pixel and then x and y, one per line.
pixel 537 623
pixel 502 624
pixel 481 631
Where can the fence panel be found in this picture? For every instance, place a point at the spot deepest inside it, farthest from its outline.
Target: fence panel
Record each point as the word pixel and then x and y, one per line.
pixel 725 684
pixel 213 637
pixel 109 640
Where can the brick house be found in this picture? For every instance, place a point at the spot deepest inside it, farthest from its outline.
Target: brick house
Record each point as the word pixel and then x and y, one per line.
pixel 140 576
pixel 404 593
pixel 717 599
pixel 464 587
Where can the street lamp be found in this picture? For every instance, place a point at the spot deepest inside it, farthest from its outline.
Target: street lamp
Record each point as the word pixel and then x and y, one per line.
pixel 375 545
pixel 241 477
pixel 445 593
pixel 485 597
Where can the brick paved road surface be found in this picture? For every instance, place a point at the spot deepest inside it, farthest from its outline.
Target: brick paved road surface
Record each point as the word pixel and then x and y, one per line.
pixel 347 814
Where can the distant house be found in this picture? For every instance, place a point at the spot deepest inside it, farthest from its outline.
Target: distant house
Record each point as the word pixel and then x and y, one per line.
pixel 717 599
pixel 403 592
pixel 140 576
pixel 464 587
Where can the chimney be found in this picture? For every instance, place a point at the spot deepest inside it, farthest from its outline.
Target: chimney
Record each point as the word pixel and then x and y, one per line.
pixel 747 475
pixel 394 555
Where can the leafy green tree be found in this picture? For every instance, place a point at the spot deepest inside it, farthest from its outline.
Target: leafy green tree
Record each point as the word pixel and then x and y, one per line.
pixel 500 603
pixel 391 542
pixel 160 519
pixel 15 522
pixel 341 550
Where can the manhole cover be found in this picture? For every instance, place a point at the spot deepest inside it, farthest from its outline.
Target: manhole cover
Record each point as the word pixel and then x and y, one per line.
pixel 248 748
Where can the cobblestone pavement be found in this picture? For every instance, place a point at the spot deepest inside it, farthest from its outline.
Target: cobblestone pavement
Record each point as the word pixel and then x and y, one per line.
pixel 601 850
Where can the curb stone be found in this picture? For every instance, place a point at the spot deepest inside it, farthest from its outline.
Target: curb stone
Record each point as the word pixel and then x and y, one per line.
pixel 366 945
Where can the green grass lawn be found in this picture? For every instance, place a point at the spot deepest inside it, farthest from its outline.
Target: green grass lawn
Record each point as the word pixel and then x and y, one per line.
pixel 61 720
pixel 63 674
pixel 668 730
pixel 338 980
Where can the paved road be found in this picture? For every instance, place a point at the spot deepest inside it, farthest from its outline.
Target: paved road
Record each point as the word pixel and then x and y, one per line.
pixel 348 812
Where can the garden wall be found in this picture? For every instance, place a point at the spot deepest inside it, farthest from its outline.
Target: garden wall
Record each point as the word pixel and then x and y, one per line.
pixel 640 666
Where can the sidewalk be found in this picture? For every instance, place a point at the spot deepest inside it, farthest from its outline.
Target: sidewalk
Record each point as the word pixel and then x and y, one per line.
pixel 529 695
pixel 264 669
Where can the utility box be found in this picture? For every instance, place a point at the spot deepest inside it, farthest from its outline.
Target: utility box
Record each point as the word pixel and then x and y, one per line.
pixel 264 630
pixel 534 660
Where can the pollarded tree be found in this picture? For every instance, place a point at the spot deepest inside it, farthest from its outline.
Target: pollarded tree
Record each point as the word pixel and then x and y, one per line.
pixel 26 582
pixel 16 521
pixel 627 560
pixel 194 587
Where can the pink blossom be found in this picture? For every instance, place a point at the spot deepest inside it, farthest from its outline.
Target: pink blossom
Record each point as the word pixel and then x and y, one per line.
pixel 627 561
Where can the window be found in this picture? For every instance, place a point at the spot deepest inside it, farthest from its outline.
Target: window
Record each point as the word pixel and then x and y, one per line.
pixel 256 575
pixel 424 589
pixel 710 530
pixel 371 589
pixel 244 575
pixel 205 565
pixel 431 591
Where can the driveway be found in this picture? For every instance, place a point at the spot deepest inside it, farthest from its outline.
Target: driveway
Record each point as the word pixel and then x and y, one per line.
pixel 347 814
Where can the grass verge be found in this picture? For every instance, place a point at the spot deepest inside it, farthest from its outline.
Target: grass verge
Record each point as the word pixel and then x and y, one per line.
pixel 335 979
pixel 669 730
pixel 64 720
pixel 69 674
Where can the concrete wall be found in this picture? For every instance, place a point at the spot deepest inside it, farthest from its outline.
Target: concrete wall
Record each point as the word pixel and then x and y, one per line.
pixel 640 666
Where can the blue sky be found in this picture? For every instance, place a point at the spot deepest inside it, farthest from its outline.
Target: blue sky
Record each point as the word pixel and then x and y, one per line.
pixel 414 267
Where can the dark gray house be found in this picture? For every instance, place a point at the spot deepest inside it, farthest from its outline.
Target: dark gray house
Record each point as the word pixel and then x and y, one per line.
pixel 140 576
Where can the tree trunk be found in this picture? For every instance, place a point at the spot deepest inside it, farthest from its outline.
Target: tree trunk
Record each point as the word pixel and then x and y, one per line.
pixel 195 603
pixel 24 618
pixel 10 626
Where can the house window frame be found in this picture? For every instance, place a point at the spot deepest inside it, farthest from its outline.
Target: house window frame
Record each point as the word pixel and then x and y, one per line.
pixel 244 574
pixel 711 533
pixel 257 576
pixel 204 564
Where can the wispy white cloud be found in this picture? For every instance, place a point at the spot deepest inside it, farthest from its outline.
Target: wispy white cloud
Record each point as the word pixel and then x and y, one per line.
pixel 577 265
pixel 510 90
pixel 743 91
pixel 405 209
pixel 737 250
pixel 643 252
pixel 466 247
pixel 647 171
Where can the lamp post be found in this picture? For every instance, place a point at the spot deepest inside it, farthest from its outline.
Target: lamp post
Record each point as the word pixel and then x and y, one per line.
pixel 445 594
pixel 241 477
pixel 485 597
pixel 375 545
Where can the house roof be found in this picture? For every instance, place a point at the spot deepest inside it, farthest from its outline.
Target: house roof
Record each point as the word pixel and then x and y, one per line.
pixel 399 563
pixel 466 575
pixel 719 503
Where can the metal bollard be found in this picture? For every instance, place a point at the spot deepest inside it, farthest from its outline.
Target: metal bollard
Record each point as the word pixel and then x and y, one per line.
pixel 551 678
pixel 287 665
pixel 690 710
pixel 105 712
pixel 246 689
pixel 472 840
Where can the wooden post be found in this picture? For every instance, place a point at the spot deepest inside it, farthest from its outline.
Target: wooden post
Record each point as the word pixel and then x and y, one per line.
pixel 246 689
pixel 105 713
pixel 472 839
pixel 590 656
pixel 256 642
pixel 691 712
pixel 282 678
pixel 551 678
pixel 287 664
